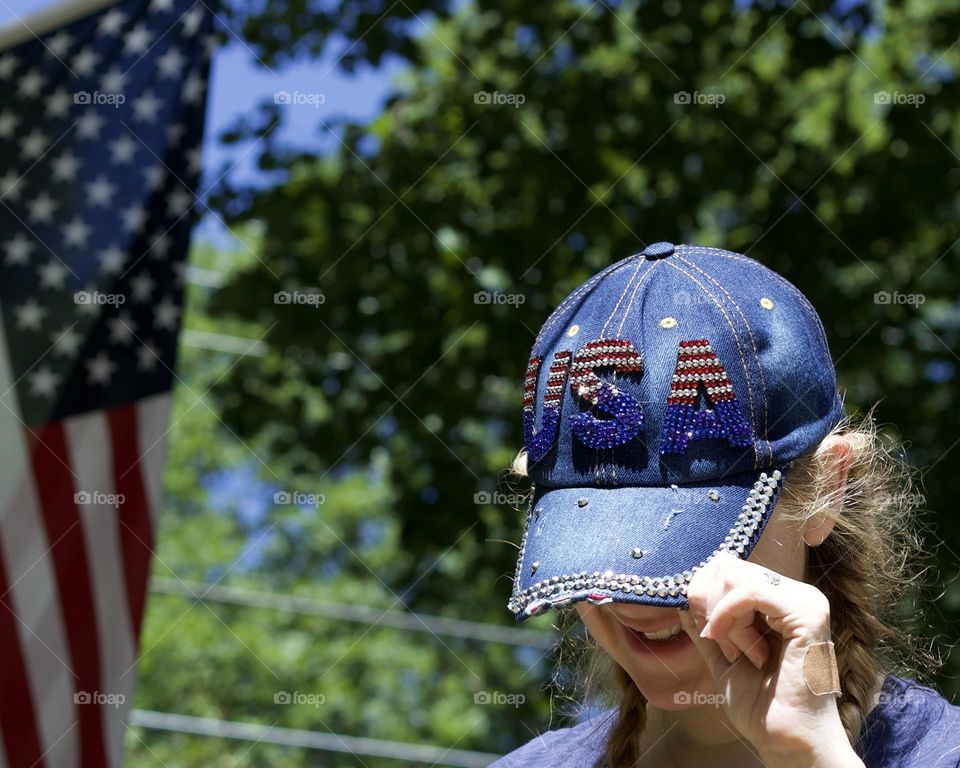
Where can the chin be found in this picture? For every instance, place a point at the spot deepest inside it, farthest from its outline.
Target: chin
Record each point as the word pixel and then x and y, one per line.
pixel 669 693
pixel 672 701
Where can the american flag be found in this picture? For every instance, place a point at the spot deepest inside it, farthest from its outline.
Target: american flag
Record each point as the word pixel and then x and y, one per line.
pixel 101 121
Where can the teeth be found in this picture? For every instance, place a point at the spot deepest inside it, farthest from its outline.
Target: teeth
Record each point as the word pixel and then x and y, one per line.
pixel 663 634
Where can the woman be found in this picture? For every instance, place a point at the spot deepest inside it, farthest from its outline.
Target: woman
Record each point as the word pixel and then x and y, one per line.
pixel 733 543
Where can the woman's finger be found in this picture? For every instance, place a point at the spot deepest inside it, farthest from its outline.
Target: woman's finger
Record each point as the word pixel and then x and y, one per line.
pixel 789 610
pixel 742 637
pixel 747 640
pixel 730 651
pixel 715 588
pixel 708 585
pixel 709 650
pixel 793 608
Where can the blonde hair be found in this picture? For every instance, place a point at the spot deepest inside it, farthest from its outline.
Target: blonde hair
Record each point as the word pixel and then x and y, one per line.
pixel 868 567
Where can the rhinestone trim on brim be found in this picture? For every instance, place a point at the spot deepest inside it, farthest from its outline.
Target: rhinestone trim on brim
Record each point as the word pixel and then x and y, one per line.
pixel 600 587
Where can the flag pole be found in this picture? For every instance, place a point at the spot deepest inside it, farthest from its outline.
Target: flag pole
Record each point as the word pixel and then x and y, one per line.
pixel 46 20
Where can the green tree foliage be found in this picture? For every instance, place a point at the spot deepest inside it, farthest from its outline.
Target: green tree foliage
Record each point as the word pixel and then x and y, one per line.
pixel 222 525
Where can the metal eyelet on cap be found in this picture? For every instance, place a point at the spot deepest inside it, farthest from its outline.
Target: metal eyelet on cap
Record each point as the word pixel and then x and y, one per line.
pixel 573 330
pixel 766 303
pixel 668 322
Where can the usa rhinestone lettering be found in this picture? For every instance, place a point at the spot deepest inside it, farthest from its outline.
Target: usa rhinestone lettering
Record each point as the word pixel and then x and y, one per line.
pixel 626 414
pixel 539 442
pixel 683 423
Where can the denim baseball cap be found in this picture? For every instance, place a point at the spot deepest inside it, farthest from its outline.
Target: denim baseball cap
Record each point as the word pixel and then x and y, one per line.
pixel 664 401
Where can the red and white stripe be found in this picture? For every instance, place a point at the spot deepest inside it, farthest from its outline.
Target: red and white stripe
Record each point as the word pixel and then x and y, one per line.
pixel 73 576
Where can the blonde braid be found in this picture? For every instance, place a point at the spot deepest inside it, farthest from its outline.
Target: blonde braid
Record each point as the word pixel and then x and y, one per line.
pixel 855 634
pixel 623 743
pixel 869 567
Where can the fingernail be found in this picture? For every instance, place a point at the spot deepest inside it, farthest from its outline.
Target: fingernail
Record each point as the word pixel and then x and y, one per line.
pixel 706 630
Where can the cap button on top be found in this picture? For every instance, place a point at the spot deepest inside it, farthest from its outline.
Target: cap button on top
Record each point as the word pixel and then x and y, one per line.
pixel 658 250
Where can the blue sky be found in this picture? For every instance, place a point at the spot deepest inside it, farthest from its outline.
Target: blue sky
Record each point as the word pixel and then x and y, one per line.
pixel 238 83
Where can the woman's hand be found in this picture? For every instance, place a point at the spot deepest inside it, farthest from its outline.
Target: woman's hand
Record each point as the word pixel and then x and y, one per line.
pixel 760 625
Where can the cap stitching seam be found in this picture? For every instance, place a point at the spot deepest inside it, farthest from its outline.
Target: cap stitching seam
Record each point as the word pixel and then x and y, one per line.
pixel 623 319
pixel 804 301
pixel 624 293
pixel 753 343
pixel 736 338
pixel 633 296
pixel 596 457
pixel 577 293
pixel 786 284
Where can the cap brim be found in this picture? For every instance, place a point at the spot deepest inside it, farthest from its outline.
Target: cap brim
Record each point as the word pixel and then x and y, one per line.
pixel 638 545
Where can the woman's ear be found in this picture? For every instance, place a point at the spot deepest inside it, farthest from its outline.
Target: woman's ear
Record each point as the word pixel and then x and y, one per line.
pixel 836 454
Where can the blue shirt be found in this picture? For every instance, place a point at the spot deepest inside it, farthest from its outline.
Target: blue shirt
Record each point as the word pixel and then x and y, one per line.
pixel 911 726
